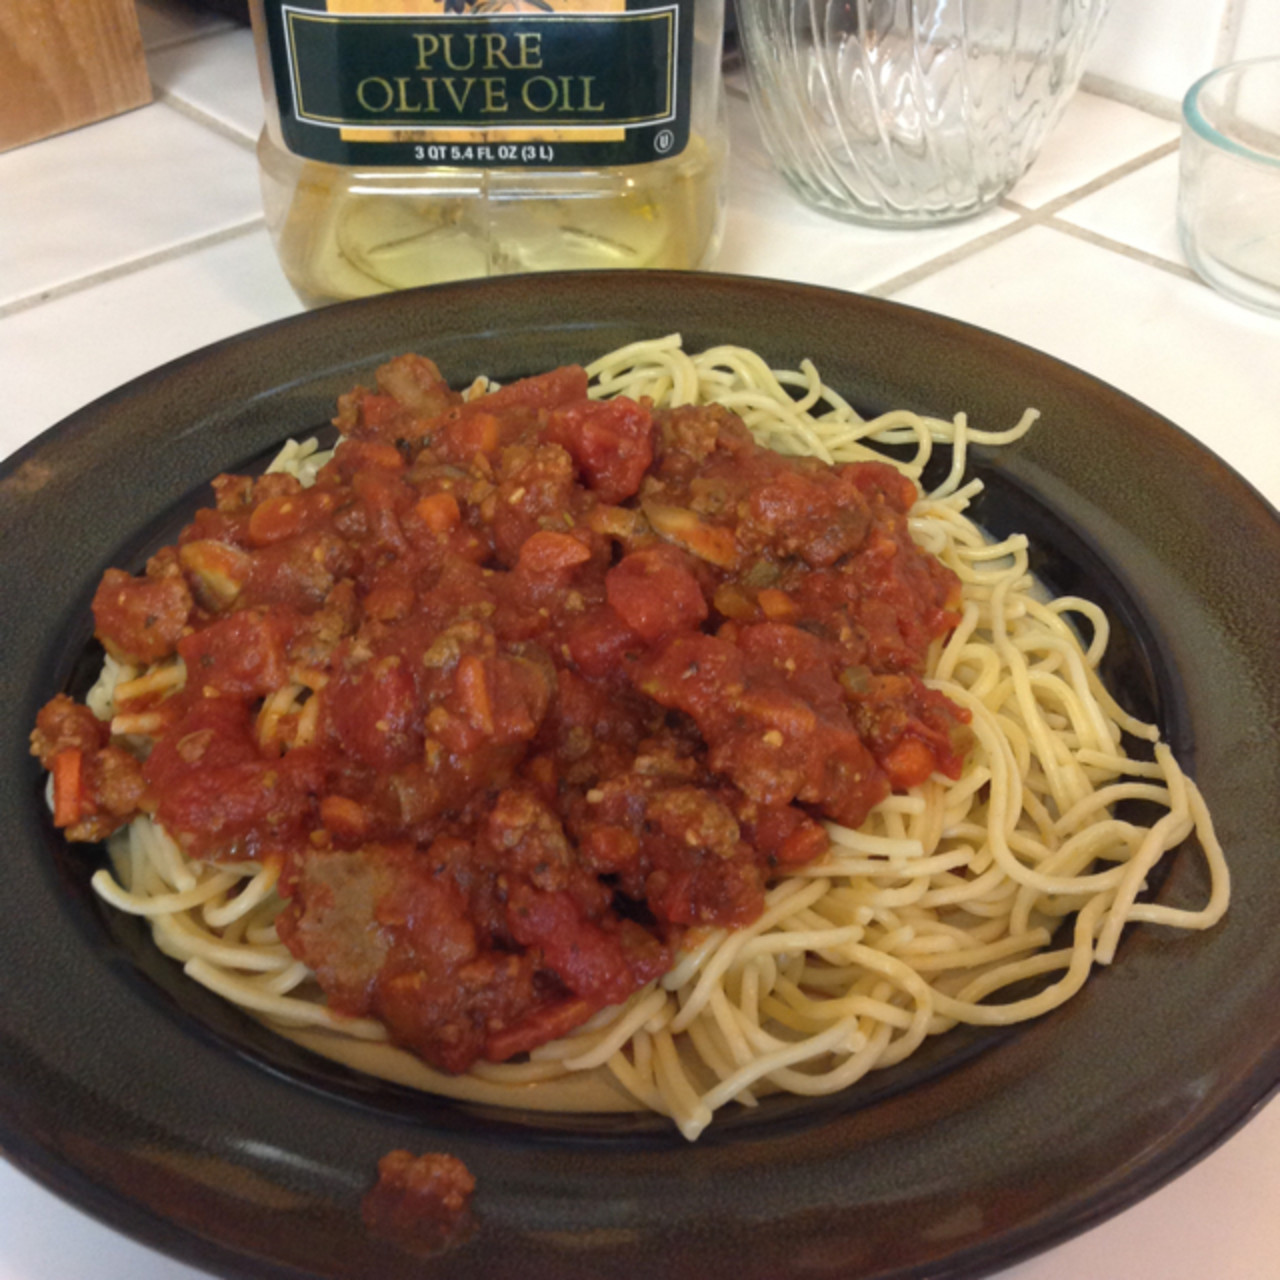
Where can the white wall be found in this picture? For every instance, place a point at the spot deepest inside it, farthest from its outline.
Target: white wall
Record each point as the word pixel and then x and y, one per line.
pixel 1157 48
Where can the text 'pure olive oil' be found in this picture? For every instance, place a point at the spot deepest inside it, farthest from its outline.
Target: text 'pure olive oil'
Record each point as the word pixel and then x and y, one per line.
pixel 410 142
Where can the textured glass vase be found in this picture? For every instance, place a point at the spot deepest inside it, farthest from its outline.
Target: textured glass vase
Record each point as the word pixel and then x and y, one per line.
pixel 899 112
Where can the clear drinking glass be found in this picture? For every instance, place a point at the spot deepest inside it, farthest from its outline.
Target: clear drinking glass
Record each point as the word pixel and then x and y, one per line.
pixel 1229 181
pixel 900 112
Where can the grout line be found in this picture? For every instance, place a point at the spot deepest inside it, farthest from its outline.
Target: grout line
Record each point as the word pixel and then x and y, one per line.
pixel 1051 207
pixel 202 117
pixel 1046 216
pixel 889 287
pixel 914 275
pixel 1228 32
pixel 1154 104
pixel 1025 216
pixel 132 267
pixel 1179 269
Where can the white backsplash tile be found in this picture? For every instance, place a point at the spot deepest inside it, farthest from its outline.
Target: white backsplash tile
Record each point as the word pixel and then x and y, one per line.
pixel 217 75
pixel 130 325
pixel 105 195
pixel 1094 136
pixel 1139 210
pixel 1159 46
pixel 1258 29
pixel 1183 350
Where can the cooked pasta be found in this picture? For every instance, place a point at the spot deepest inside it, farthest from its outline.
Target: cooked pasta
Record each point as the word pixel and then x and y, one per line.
pixel 1019 873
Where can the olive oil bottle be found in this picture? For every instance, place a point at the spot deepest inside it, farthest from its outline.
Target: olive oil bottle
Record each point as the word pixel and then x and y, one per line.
pixel 412 142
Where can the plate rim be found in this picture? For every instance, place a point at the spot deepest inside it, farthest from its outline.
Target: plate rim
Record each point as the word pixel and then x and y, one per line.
pixel 76 431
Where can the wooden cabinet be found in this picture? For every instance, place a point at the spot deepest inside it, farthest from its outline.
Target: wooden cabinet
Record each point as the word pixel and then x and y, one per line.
pixel 64 63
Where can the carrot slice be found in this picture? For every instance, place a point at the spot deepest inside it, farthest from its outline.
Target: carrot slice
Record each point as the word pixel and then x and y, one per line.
pixel 909 763
pixel 777 605
pixel 439 512
pixel 472 688
pixel 345 817
pixel 67 768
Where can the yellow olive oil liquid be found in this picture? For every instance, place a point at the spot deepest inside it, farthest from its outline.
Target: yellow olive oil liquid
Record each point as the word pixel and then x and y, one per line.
pixel 341 234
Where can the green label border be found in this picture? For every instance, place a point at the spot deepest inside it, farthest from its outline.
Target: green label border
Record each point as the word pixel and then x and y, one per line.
pixel 652 112
pixel 662 114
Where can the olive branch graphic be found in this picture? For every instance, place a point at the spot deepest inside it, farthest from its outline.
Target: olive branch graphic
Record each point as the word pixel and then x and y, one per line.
pixel 497 6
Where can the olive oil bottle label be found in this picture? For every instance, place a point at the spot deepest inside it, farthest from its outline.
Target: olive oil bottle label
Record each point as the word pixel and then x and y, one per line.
pixel 482 83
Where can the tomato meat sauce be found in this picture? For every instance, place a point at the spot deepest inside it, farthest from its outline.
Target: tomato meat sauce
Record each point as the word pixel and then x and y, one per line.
pixel 521 690
pixel 420 1203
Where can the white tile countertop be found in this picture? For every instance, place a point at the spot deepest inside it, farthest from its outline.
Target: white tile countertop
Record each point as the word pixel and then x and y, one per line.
pixel 139 239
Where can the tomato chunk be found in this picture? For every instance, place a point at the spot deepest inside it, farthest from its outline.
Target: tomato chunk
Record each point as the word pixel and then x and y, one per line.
pixel 655 594
pixel 611 442
pixel 242 655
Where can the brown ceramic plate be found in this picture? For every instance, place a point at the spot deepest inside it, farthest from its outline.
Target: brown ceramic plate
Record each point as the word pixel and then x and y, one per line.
pixel 170 1116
